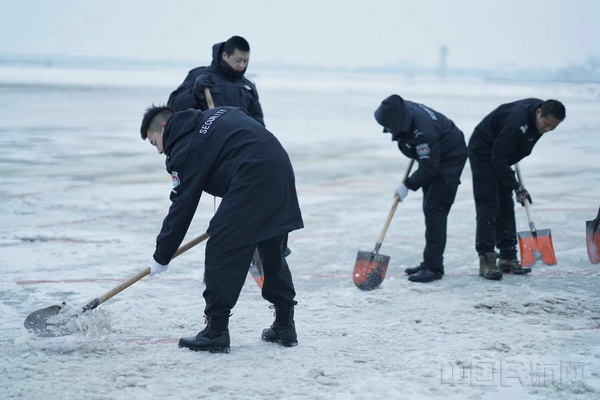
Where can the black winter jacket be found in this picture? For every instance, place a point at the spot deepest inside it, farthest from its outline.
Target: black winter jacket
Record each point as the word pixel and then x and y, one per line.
pixel 504 137
pixel 427 136
pixel 226 153
pixel 231 88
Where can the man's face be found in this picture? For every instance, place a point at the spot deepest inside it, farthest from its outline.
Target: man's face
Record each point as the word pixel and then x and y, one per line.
pixel 547 123
pixel 238 60
pixel 156 139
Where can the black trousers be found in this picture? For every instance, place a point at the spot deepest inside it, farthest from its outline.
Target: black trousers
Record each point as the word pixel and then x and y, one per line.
pixel 226 271
pixel 495 208
pixel 438 197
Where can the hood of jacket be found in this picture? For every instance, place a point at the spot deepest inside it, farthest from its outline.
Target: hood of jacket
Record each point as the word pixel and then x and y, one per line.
pixel 394 115
pixel 220 65
pixel 184 123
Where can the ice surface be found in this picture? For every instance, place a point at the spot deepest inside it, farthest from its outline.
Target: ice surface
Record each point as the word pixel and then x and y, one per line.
pixel 82 198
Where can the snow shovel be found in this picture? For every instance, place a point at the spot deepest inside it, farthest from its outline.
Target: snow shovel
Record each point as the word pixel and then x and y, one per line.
pixel 592 238
pixel 536 244
pixel 37 321
pixel 370 266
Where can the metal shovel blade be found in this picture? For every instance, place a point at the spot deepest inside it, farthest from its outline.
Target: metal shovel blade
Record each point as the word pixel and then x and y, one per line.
pixel 42 322
pixel 37 321
pixel 536 246
pixel 369 270
pixel 592 239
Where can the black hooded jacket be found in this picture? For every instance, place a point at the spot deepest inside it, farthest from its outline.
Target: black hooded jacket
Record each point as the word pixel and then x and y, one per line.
pixel 231 88
pixel 226 153
pixel 504 137
pixel 427 136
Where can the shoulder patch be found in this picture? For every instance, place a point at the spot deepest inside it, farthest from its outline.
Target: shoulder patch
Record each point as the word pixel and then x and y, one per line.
pixel 423 150
pixel 176 181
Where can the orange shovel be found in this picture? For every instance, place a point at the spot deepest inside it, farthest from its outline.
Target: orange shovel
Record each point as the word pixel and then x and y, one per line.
pixel 370 266
pixel 535 245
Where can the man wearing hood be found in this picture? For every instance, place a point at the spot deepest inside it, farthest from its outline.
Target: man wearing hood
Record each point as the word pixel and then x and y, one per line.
pixel 225 79
pixel 227 153
pixel 439 148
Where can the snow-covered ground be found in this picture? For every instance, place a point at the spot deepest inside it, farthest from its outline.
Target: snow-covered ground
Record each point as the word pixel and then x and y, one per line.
pixel 82 198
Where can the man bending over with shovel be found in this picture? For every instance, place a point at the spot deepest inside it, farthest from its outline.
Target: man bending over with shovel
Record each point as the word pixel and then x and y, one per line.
pixel 227 153
pixel 503 138
pixel 440 149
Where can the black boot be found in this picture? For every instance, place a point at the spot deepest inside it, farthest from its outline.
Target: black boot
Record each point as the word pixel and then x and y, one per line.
pixel 426 275
pixel 414 270
pixel 283 330
pixel 214 338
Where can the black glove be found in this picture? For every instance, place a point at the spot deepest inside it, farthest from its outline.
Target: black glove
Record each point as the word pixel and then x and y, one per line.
pixel 203 81
pixel 523 194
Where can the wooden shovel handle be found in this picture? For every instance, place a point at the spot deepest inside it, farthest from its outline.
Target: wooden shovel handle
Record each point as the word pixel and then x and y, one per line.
pixel 191 244
pixel 146 271
pixel 407 172
pixel 121 287
pixel 209 100
pixel 387 224
pixel 393 210
pixel 525 202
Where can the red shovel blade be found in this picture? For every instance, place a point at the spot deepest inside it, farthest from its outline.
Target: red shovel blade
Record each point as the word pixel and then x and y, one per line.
pixel 536 247
pixel 256 269
pixel 592 238
pixel 369 270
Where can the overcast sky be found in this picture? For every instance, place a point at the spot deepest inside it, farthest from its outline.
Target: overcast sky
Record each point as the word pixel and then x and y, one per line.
pixel 487 33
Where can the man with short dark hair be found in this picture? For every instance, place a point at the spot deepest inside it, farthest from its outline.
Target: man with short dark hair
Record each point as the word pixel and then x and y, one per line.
pixel 439 147
pixel 503 138
pixel 227 153
pixel 225 79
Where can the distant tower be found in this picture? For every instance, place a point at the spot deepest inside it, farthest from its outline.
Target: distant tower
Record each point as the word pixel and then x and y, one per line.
pixel 443 61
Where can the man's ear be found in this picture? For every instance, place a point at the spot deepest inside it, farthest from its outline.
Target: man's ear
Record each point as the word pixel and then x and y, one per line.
pixel 163 124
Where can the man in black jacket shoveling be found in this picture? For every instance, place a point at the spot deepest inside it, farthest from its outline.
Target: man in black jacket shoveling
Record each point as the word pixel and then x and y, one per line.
pixel 439 147
pixel 503 138
pixel 226 153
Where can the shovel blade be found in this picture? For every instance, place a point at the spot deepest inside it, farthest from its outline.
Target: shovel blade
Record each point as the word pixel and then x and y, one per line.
pixel 592 239
pixel 369 270
pixel 257 269
pixel 37 321
pixel 535 247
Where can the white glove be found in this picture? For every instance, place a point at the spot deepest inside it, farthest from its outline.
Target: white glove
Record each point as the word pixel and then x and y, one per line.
pixel 401 192
pixel 156 268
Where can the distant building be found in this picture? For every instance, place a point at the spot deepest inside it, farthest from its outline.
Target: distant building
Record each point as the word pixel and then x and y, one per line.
pixel 443 61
